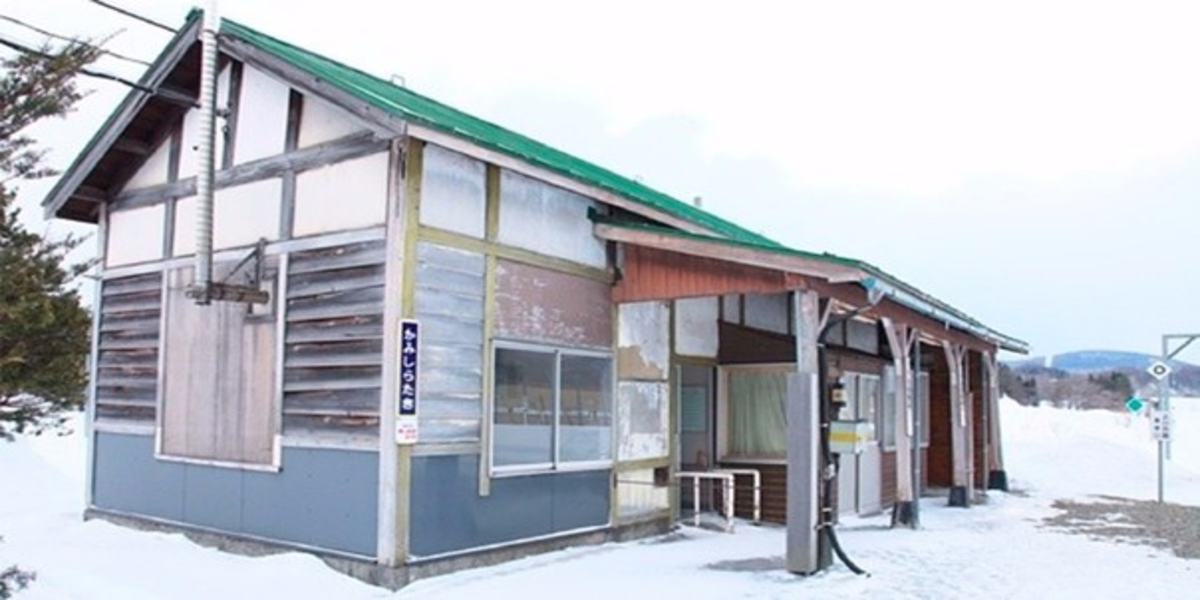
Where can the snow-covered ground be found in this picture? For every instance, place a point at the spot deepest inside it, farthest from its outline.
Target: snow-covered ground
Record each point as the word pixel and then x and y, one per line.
pixel 997 550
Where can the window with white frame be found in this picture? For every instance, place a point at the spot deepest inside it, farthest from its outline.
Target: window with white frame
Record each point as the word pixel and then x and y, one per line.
pixel 887 424
pixel 753 404
pixel 923 397
pixel 552 409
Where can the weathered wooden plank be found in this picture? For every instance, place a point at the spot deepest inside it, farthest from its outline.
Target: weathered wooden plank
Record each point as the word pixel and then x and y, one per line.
pixel 329 282
pixel 367 327
pixel 124 402
pixel 357 398
pixel 147 337
pixel 467 309
pixel 455 381
pixel 146 372
pixel 131 303
pixel 453 357
pixel 150 282
pixel 118 381
pixel 339 380
pixel 334 360
pixel 449 430
pixel 453 259
pixel 331 310
pixel 441 406
pixel 363 254
pixel 137 414
pixel 112 358
pixel 450 280
pixel 331 425
pixel 134 344
pixel 443 330
pixel 146 394
pixel 139 321
pixel 358 296
pixel 347 148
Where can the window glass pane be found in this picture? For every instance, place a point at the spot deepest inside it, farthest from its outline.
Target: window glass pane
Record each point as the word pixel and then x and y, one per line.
pixel 887 414
pixel 585 406
pixel 523 432
pixel 757 425
pixel 868 401
pixel 924 397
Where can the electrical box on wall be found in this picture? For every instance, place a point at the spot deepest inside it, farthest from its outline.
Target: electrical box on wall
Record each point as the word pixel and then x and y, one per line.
pixel 850 437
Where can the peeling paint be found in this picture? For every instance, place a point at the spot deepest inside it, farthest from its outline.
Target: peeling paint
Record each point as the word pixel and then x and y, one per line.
pixel 643 340
pixel 539 304
pixel 696 327
pixel 643 413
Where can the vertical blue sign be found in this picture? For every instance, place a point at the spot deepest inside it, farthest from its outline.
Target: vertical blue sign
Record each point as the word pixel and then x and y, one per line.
pixel 410 341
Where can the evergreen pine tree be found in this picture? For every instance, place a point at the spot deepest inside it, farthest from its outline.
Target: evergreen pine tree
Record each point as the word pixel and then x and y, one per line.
pixel 43 326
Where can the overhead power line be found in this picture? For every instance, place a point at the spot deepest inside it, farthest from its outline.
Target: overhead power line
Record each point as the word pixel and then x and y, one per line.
pixel 167 94
pixel 133 15
pixel 52 35
pixel 19 47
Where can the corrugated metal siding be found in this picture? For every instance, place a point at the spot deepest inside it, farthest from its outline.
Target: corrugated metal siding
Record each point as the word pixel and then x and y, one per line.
pixel 334 343
pixel 651 274
pixel 127 369
pixel 450 306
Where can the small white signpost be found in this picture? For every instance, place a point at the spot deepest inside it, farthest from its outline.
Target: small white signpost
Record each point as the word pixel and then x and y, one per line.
pixel 1160 422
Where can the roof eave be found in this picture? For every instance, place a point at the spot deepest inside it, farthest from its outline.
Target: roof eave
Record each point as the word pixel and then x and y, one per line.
pixel 899 293
pixel 73 177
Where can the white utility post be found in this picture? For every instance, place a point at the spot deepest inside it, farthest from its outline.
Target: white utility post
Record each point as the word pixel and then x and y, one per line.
pixel 803 443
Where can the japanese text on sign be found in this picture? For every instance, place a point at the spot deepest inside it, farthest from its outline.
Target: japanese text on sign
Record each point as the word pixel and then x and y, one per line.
pixel 410 338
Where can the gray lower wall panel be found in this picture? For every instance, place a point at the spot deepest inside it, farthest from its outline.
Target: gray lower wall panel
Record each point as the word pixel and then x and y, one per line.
pixel 322 497
pixel 448 514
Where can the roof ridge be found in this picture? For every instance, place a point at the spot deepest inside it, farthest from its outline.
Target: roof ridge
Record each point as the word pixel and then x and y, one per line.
pixel 392 97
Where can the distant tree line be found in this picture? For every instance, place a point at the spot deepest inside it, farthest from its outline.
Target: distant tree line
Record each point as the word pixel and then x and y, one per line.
pixel 1101 389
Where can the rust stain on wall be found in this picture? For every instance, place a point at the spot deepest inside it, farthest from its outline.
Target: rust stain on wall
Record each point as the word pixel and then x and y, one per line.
pixel 533 303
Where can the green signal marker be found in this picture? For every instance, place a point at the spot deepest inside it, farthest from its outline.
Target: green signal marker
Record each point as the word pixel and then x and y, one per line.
pixel 1134 404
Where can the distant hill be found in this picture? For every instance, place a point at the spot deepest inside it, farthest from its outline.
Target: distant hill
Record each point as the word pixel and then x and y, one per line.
pixel 1087 361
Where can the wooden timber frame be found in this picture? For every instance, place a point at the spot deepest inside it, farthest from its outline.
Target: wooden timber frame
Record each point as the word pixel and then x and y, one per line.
pixel 661 266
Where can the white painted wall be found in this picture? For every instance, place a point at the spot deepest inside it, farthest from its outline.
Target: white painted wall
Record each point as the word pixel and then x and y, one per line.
pixel 696 327
pixel 548 220
pixel 637 494
pixel 346 195
pixel 453 191
pixel 241 216
pixel 262 117
pixel 135 235
pixel 189 157
pixel 768 312
pixel 643 339
pixel 154 170
pixel 643 420
pixel 322 122
pixel 731 308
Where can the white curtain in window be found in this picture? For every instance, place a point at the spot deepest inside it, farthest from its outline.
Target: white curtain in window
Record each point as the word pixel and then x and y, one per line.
pixel 757 421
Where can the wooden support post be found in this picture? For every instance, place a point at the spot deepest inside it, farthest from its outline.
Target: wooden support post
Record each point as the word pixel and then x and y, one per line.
pixel 960 425
pixel 805 554
pixel 901 339
pixel 997 478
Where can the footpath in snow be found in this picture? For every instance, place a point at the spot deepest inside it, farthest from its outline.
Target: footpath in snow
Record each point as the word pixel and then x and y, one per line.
pixel 999 550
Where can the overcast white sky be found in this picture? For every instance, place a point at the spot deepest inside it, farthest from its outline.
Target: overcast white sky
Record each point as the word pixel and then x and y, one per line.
pixel 1031 163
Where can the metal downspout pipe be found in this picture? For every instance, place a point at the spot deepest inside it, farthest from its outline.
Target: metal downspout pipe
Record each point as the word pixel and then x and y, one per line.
pixel 201 289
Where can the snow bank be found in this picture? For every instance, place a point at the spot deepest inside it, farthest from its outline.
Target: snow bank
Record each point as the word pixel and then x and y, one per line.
pixel 989 551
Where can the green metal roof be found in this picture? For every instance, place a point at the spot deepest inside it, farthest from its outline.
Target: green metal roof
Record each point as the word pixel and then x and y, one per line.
pixel 417 108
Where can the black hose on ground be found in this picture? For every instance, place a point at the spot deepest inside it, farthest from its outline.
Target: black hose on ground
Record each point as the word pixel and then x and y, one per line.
pixel 826 526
